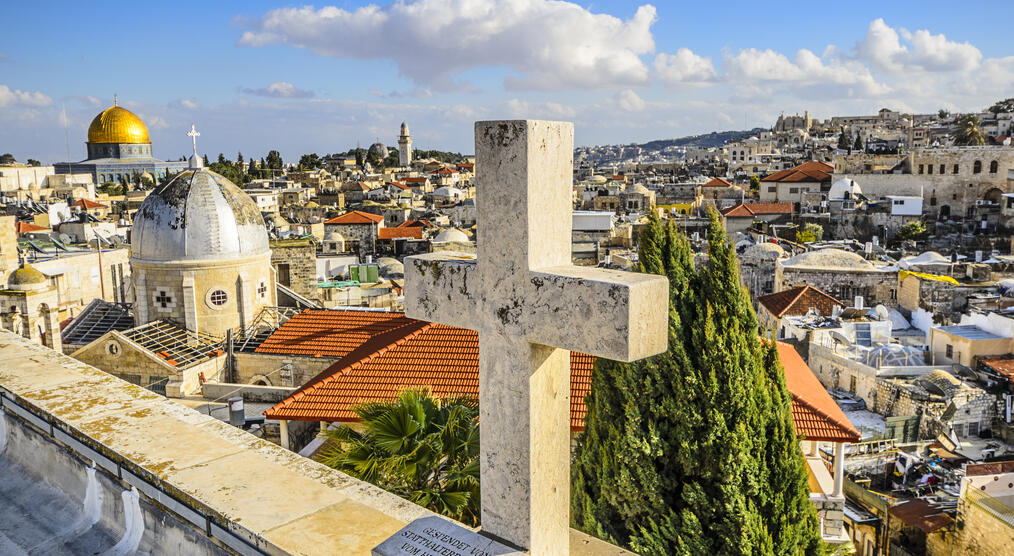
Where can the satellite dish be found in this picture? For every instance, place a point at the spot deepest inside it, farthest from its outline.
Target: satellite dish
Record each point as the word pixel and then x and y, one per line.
pixel 64 238
pixel 840 338
pixel 882 313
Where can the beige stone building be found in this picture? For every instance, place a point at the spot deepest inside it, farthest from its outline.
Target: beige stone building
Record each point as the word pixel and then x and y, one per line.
pixel 200 254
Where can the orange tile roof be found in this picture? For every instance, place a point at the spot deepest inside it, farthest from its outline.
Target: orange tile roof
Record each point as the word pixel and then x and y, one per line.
pixel 445 170
pixel 415 224
pixel 356 217
pixel 443 359
pixel 409 232
pixel 88 204
pixel 399 185
pixel 28 227
pixel 811 171
pixel 753 209
pixel 814 412
pixel 1003 365
pixel 717 182
pixel 797 301
pixel 415 180
pixel 330 333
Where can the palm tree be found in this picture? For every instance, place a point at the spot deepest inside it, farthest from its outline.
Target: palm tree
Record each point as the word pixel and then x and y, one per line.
pixel 969 133
pixel 419 447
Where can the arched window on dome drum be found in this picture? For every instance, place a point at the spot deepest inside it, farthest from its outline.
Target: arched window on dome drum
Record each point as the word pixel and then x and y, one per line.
pixel 993 167
pixel 977 167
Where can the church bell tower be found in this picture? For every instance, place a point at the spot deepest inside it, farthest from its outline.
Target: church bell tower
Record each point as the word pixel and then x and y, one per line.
pixel 404 146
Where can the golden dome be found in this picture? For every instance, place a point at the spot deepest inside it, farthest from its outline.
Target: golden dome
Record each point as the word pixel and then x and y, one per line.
pixel 117 125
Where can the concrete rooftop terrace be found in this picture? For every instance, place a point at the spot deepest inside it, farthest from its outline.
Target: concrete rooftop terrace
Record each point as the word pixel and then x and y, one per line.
pixel 196 467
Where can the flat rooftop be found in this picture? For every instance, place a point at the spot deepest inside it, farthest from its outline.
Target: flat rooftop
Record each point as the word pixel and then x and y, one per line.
pixel 970 332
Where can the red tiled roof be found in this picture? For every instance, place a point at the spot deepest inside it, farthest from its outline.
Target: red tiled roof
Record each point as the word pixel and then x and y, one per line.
pixel 811 171
pixel 400 232
pixel 28 227
pixel 446 170
pixel 920 513
pixel 415 224
pixel 399 185
pixel 753 209
pixel 328 333
pixel 717 182
pixel 415 180
pixel 88 204
pixel 443 359
pixel 798 301
pixel 356 217
pixel 814 412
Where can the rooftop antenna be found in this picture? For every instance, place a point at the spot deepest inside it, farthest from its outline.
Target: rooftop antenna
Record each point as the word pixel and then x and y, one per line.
pixel 66 131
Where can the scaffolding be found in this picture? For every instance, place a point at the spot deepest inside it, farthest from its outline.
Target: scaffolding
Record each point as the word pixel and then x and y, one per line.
pixel 174 344
pixel 98 318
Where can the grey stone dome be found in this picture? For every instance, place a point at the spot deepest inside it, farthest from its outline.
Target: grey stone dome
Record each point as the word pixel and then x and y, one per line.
pixel 198 215
pixel 379 149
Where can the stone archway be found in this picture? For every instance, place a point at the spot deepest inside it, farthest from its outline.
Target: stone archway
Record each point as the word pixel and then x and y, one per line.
pixel 945 212
pixel 259 380
pixel 49 327
pixel 993 195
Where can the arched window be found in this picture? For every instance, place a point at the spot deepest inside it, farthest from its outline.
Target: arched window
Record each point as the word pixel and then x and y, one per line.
pixel 994 167
pixel 977 167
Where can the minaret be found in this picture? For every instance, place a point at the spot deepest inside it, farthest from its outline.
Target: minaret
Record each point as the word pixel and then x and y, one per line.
pixel 404 146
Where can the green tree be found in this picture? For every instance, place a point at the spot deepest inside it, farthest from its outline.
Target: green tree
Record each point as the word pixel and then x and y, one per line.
pixel 914 230
pixel 7 158
pixel 969 132
pixel 309 161
pixel 859 144
pixel 810 232
pixel 943 113
pixel 693 451
pixel 843 140
pixel 33 162
pixel 755 184
pixel 206 163
pixel 1006 105
pixel 222 159
pixel 418 447
pixel 274 160
pixel 111 189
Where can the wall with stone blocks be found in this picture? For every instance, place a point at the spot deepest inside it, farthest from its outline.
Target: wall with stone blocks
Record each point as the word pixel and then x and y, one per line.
pixel 302 261
pixel 253 366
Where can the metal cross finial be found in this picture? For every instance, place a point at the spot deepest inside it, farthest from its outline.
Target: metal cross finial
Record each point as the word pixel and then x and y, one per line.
pixel 194 134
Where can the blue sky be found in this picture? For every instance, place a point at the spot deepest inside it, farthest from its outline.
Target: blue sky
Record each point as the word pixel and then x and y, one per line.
pixel 257 75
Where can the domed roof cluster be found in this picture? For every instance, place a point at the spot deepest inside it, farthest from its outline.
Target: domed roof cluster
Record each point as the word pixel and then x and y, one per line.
pixel 198 215
pixel 117 125
pixel 453 235
pixel 829 258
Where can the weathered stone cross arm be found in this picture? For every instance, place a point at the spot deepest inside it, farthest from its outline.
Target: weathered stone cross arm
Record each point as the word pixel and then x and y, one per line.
pixel 605 313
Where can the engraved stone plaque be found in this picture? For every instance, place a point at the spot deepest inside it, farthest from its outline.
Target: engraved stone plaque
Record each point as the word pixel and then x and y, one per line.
pixel 433 536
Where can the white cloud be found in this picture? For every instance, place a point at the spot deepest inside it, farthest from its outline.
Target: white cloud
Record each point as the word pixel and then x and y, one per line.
pixel 279 89
pixel 190 104
pixel 807 69
pixel 16 97
pixel 629 100
pixel 551 45
pixel 684 68
pixel 882 46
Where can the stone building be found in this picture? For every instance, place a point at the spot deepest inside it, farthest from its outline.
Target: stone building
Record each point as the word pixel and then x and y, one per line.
pixel 798 185
pixel 757 267
pixel 200 254
pixel 295 265
pixel 404 146
pixel 842 274
pixel 358 229
pixel 29 306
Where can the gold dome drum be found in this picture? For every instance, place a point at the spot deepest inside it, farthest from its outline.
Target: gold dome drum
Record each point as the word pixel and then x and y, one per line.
pixel 117 125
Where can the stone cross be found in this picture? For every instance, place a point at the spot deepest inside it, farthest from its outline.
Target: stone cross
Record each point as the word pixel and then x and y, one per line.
pixel 194 134
pixel 530 305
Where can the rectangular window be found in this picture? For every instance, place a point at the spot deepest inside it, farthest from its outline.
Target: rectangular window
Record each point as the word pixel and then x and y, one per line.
pixel 959 429
pixel 920 168
pixel 930 169
pixel 852 384
pixel 955 169
pixel 949 351
pixel 973 428
pixel 793 190
pixel 771 189
pixel 898 202
pixel 941 168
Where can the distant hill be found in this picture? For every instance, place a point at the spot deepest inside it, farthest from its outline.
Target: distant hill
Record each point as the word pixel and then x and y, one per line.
pixel 707 140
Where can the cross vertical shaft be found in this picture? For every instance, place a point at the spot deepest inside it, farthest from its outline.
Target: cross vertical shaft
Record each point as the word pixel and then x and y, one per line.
pixel 530 306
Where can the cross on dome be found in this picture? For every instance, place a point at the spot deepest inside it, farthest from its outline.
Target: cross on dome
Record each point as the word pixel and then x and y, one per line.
pixel 195 161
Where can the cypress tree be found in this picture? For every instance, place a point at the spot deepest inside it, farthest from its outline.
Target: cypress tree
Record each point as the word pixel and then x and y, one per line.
pixel 692 451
